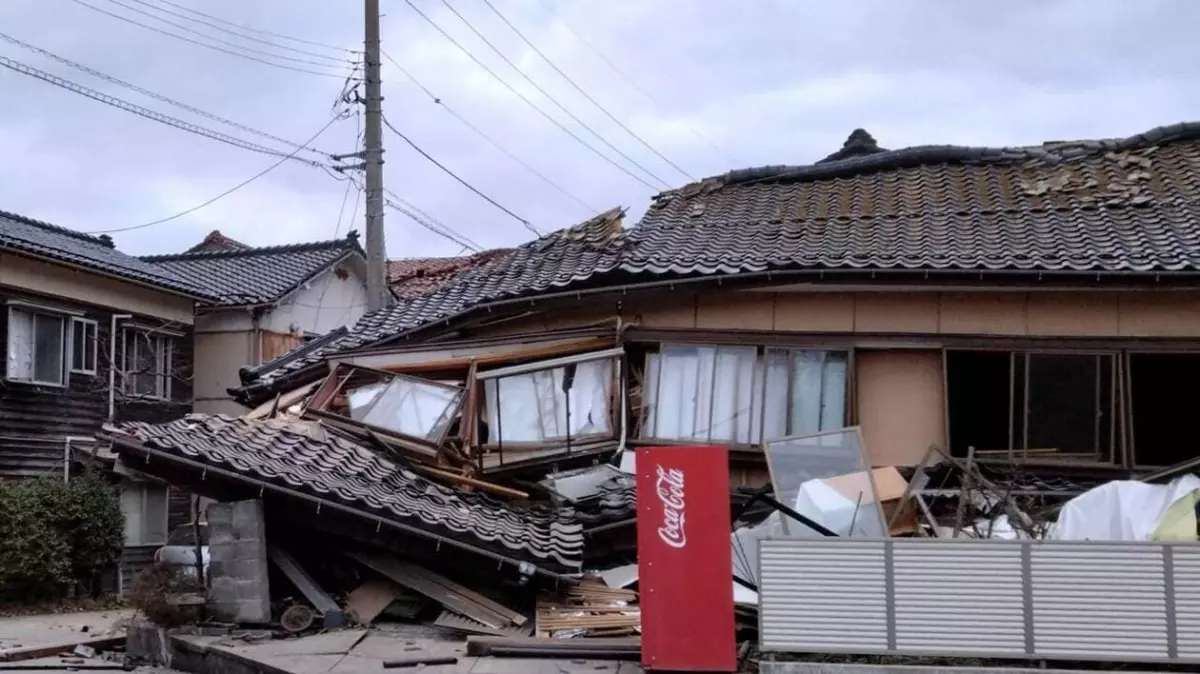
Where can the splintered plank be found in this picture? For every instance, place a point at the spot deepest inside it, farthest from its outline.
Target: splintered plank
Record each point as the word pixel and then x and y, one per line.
pixel 441 590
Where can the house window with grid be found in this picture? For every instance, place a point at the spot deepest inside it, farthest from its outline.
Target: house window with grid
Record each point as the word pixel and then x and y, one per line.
pixel 742 394
pixel 37 344
pixel 147 364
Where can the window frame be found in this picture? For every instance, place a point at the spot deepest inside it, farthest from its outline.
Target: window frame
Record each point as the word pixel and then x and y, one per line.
pixel 95 344
pixel 33 311
pixel 165 343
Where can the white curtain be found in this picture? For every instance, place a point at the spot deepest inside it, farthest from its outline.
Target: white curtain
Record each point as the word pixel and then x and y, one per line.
pixel 533 407
pixel 730 394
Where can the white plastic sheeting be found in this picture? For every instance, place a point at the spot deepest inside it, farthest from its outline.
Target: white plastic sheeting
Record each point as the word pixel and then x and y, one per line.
pixel 1121 510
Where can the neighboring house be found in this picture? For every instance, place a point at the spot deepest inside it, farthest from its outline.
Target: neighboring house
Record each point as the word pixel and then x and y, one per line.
pixel 1029 298
pixel 92 335
pixel 269 300
pixel 413 277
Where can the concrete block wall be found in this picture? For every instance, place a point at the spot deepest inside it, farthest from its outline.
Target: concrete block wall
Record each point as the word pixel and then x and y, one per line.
pixel 238 563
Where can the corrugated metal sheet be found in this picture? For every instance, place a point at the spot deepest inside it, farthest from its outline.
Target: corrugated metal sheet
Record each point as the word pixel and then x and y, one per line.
pixel 1035 599
pixel 1185 561
pixel 941 603
pixel 1098 600
pixel 831 597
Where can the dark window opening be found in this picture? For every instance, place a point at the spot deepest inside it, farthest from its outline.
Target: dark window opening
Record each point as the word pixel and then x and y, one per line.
pixel 1162 401
pixel 977 384
pixel 1043 405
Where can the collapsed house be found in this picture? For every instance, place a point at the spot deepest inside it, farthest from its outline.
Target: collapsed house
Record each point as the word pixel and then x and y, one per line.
pixel 1022 310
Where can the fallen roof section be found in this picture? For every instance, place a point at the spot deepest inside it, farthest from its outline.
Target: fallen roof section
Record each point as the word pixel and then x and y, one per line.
pixel 304 459
pixel 242 276
pixel 414 277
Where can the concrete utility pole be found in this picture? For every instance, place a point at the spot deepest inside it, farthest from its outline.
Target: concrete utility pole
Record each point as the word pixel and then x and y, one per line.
pixel 377 293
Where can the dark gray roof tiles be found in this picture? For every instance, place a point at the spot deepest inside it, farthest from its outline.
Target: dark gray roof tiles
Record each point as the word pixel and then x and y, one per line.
pixel 241 276
pixel 34 237
pixel 1127 205
pixel 303 456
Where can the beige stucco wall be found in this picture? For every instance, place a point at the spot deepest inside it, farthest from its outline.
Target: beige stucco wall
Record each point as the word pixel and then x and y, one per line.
pixel 219 356
pixel 325 303
pixel 900 406
pixel 1034 313
pixel 51 279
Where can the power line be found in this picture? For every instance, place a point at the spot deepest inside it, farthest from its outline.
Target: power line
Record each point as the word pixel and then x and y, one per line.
pixel 219 196
pixel 185 17
pixel 151 94
pixel 464 183
pixel 585 94
pixel 256 30
pixel 193 31
pixel 473 245
pixel 481 134
pixel 525 98
pixel 628 79
pixel 150 114
pixel 203 44
pixel 420 221
pixel 553 100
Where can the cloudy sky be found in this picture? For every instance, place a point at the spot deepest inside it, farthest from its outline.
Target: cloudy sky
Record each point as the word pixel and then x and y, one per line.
pixel 710 85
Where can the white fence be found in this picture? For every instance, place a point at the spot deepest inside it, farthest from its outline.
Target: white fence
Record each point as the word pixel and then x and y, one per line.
pixel 1054 600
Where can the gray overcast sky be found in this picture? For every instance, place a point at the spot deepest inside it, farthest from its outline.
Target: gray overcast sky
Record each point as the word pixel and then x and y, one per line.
pixel 766 81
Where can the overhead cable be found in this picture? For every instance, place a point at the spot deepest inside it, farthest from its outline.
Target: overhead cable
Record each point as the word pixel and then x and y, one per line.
pixel 204 44
pixel 628 80
pixel 146 92
pixel 454 175
pixel 213 26
pixel 525 98
pixel 552 99
pixel 257 30
pixel 151 114
pixel 420 221
pixel 235 45
pixel 474 245
pixel 440 101
pixel 220 196
pixel 585 94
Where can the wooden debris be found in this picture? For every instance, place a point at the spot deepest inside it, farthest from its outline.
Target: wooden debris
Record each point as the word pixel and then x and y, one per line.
pixel 368 600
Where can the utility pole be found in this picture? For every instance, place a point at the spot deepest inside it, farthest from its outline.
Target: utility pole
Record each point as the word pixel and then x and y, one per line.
pixel 377 293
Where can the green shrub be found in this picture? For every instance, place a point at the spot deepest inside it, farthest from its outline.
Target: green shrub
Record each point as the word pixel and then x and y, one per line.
pixel 55 533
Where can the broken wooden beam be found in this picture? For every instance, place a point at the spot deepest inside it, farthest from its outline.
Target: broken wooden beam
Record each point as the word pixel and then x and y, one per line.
pixel 324 604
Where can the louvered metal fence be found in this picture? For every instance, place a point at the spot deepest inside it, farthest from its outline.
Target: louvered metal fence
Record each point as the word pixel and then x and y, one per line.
pixel 1054 600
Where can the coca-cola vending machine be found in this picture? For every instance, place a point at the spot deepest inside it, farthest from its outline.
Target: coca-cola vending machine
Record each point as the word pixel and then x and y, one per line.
pixel 685 567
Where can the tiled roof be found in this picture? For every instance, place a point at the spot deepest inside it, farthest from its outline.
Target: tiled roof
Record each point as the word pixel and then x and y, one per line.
pixel 413 277
pixel 216 241
pixel 256 275
pixel 1128 205
pixel 303 456
pixel 557 259
pixel 35 237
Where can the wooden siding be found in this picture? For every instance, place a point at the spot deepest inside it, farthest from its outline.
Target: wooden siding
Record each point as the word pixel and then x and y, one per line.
pixel 36 420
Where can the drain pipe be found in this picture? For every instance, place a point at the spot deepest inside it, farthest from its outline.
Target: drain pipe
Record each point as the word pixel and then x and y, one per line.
pixel 112 364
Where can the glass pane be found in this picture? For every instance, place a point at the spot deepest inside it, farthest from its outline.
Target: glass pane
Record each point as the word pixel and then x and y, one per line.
pixel 732 391
pixel 774 417
pixel 79 345
pixel 533 407
pixel 155 517
pixel 146 365
pixel 833 391
pixel 801 471
pixel 20 345
pixel 362 397
pixel 413 408
pixel 48 349
pixel 807 368
pixel 131 508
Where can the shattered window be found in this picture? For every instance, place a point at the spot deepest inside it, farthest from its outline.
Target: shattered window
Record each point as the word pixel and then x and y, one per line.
pixel 550 405
pixel 410 407
pixel 735 394
pixel 827 478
